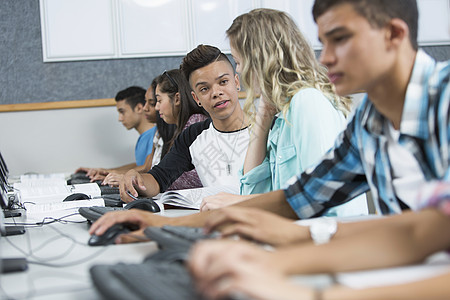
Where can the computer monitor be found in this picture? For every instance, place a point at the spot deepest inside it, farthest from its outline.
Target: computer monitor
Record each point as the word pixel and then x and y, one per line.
pixel 6 204
pixel 4 189
pixel 3 165
pixel 4 172
pixel 3 198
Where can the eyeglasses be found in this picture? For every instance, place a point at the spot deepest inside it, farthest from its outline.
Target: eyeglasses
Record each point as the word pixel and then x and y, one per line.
pixel 171 79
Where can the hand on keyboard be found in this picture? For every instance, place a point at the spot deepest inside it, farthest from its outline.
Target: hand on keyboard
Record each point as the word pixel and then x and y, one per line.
pixel 141 219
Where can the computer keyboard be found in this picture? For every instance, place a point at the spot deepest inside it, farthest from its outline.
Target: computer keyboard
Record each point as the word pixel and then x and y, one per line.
pixel 169 237
pixel 150 280
pixel 81 177
pixel 108 190
pixel 94 213
pixel 160 276
pixel 78 178
pixel 103 210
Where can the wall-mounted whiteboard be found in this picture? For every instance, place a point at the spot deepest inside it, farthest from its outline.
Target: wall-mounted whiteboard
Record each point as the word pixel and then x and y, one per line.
pixel 434 19
pixel 434 22
pixel 300 11
pixel 211 18
pixel 106 29
pixel 81 29
pixel 153 27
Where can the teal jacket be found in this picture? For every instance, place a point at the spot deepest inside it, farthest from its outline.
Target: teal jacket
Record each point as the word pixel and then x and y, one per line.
pixel 297 141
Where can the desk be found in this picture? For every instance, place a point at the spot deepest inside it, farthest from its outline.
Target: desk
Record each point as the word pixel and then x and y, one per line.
pixel 63 244
pixel 66 244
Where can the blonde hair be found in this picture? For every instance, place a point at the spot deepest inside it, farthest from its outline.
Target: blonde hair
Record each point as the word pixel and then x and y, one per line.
pixel 278 61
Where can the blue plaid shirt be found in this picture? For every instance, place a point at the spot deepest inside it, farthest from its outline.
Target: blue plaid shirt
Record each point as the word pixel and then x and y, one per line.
pixel 360 160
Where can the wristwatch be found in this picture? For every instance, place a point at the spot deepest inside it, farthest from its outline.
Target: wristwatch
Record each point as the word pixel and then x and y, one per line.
pixel 322 230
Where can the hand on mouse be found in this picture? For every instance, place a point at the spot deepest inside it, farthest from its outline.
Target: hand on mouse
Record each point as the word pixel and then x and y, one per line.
pixel 139 218
pixel 130 181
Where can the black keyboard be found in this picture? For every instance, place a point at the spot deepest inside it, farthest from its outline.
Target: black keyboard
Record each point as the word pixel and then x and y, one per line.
pixel 81 177
pixel 150 280
pixel 108 190
pixel 161 276
pixel 93 213
pixel 78 178
pixel 169 237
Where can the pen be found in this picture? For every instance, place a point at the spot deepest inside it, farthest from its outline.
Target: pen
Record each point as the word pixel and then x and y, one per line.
pixel 129 194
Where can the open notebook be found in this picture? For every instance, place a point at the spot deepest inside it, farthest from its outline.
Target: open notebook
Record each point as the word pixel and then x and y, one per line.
pixel 192 198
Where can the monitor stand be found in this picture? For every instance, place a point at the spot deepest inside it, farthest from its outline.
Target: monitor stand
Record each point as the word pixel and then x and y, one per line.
pixel 9 265
pixel 13 230
pixel 11 213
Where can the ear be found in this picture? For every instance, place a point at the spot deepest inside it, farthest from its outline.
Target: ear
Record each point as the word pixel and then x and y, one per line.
pixel 176 99
pixel 237 82
pixel 194 95
pixel 397 32
pixel 139 108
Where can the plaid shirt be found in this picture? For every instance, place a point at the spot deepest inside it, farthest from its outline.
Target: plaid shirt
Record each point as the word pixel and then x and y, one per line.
pixel 360 160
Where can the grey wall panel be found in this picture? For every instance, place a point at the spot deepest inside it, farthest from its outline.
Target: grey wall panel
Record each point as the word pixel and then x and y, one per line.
pixel 24 78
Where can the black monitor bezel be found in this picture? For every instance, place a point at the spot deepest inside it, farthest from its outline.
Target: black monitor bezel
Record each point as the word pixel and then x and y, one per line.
pixel 3 165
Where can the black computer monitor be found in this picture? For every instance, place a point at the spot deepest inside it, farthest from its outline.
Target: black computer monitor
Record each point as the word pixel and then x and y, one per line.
pixel 4 202
pixel 3 198
pixel 4 172
pixel 3 165
pixel 4 182
pixel 4 188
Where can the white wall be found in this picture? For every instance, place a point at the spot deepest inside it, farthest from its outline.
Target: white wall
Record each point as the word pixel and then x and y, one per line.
pixel 53 141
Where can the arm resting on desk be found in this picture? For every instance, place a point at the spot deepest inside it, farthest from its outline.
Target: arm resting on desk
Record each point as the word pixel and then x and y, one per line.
pixel 436 288
pixel 393 241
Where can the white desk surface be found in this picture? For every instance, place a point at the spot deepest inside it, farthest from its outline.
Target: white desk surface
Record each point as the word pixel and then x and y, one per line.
pixel 64 245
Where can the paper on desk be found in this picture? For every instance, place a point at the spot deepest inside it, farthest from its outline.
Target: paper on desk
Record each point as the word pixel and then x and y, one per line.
pixel 383 277
pixel 48 191
pixel 43 177
pixel 38 212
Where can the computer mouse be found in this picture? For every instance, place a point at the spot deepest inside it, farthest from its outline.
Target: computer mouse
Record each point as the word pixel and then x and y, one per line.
pixel 145 204
pixel 76 196
pixel 109 236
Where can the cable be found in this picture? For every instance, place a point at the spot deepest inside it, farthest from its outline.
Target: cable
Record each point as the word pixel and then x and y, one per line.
pixel 45 261
pixel 69 264
pixel 32 258
pixel 52 220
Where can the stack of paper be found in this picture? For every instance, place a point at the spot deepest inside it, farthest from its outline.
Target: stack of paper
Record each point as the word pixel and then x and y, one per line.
pixel 43 196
